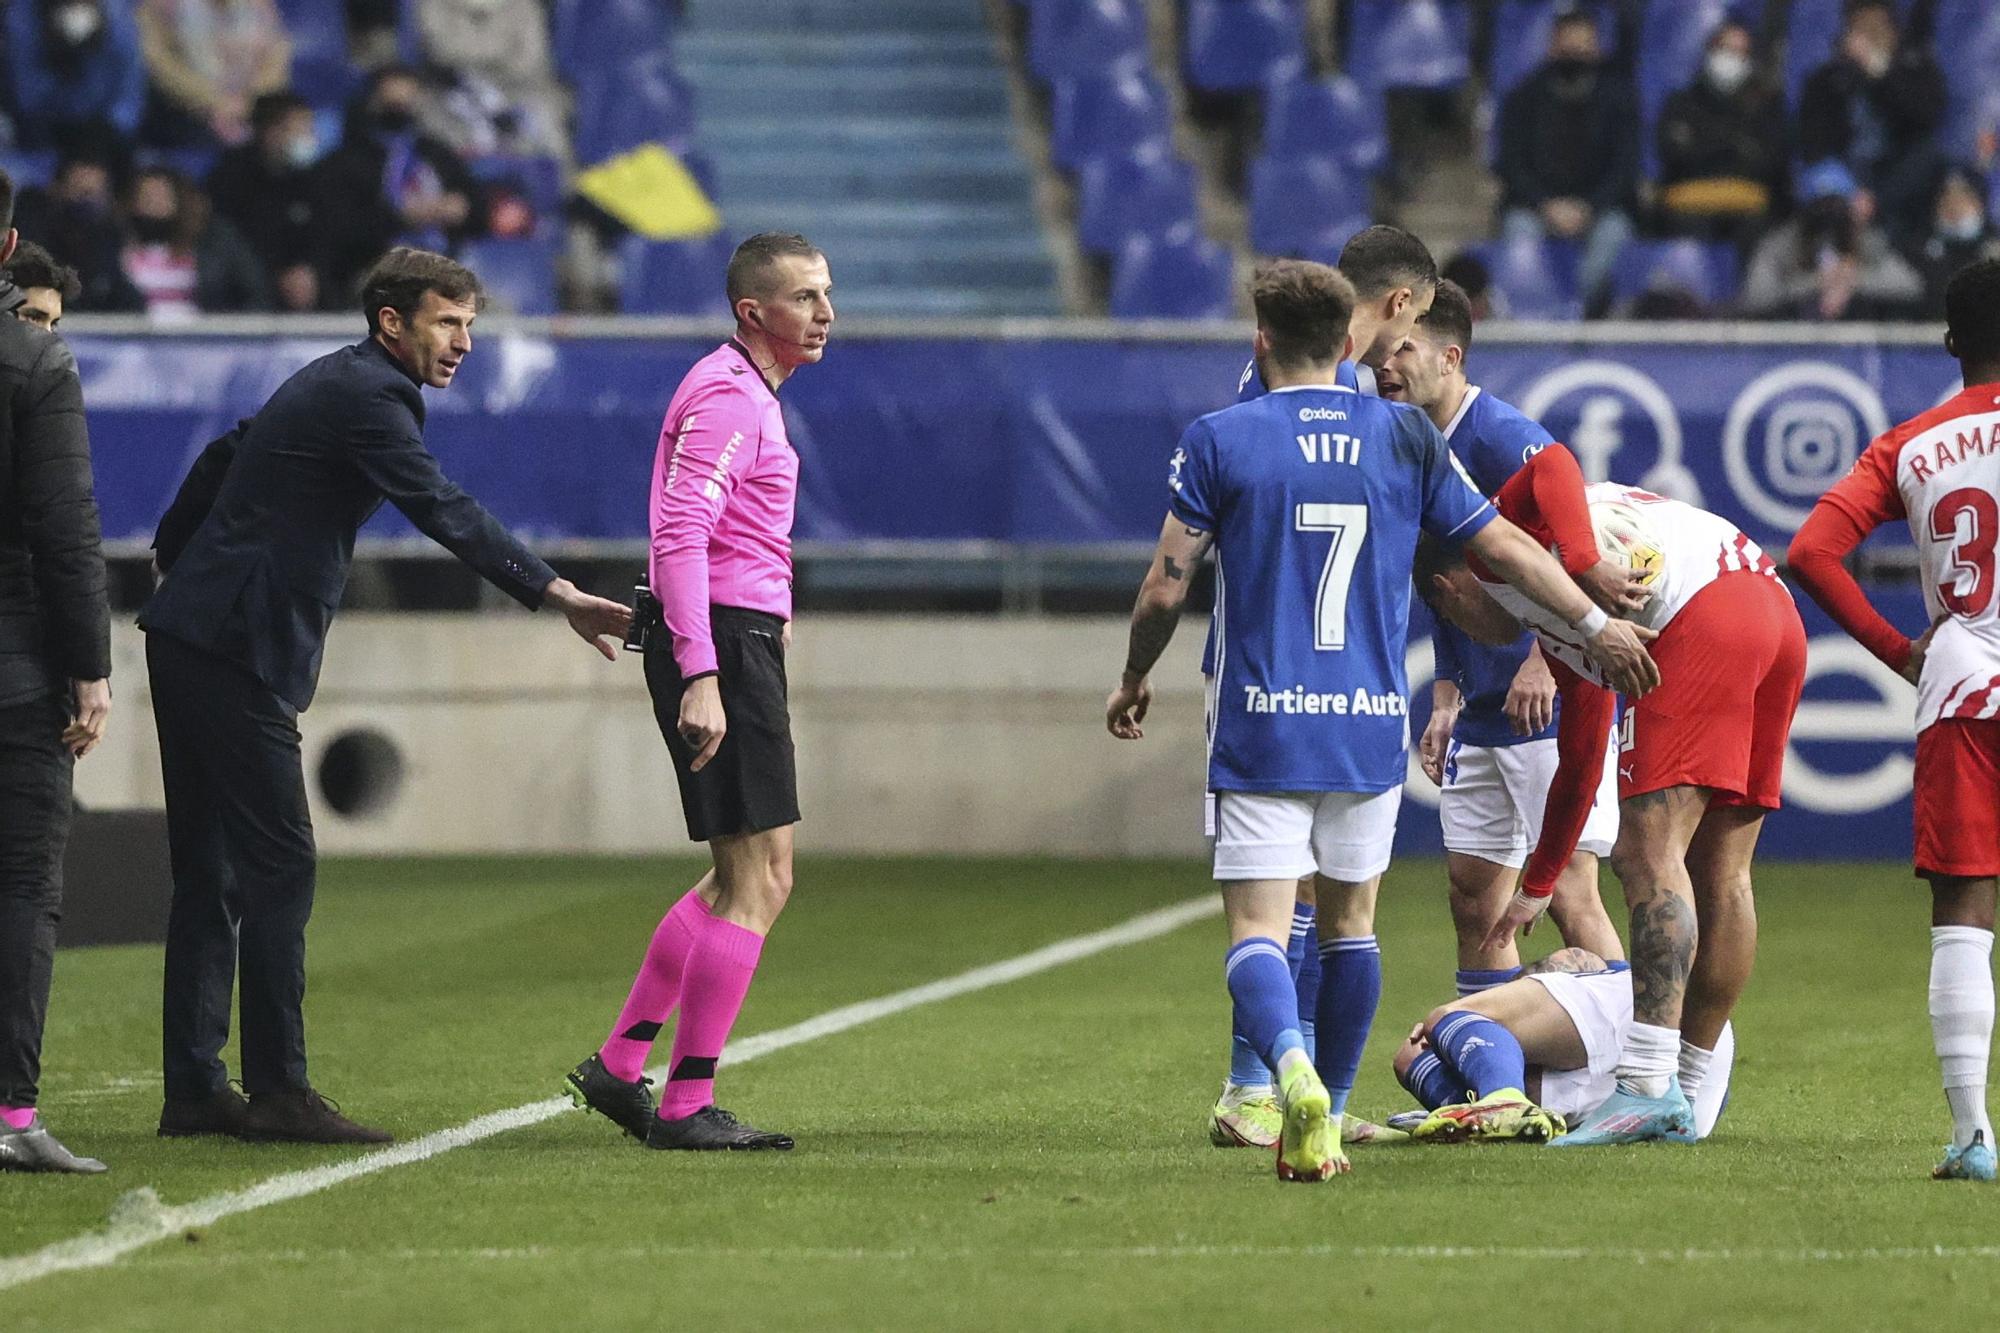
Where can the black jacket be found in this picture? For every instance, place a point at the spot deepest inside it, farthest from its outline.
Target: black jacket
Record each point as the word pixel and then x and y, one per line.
pixel 1562 137
pixel 362 221
pixel 277 209
pixel 257 544
pixel 55 623
pixel 1909 100
pixel 1705 134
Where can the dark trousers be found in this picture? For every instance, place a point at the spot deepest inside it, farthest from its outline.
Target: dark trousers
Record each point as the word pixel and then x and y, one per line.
pixel 35 772
pixel 241 841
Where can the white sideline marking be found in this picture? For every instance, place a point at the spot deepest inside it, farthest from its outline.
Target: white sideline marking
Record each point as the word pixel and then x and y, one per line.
pixel 142 1219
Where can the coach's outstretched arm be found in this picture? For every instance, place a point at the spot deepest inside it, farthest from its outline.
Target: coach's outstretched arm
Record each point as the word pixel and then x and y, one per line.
pixel 1618 647
pixel 1154 617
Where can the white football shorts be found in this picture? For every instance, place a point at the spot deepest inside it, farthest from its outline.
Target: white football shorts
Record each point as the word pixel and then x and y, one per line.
pixel 1343 835
pixel 1600 1004
pixel 1494 797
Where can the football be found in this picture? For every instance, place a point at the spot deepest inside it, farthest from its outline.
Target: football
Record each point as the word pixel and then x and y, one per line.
pixel 1624 535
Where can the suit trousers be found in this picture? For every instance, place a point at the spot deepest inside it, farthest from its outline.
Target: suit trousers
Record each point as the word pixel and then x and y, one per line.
pixel 35 771
pixel 241 842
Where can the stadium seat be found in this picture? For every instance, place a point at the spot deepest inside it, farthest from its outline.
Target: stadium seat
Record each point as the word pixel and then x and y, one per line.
pixel 1534 279
pixel 539 179
pixel 28 169
pixel 1521 37
pixel 644 102
pixel 1077 38
pixel 1179 275
pixel 1705 270
pixel 1970 31
pixel 1306 206
pixel 673 277
pixel 593 35
pixel 1104 115
pixel 193 163
pixel 1145 194
pixel 1336 116
pixel 322 74
pixel 520 274
pixel 1410 43
pixel 1234 46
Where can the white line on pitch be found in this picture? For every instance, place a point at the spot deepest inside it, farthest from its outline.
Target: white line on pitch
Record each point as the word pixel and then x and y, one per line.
pixel 138 1225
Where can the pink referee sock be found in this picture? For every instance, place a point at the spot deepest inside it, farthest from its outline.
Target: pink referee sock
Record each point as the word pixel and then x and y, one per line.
pixel 17 1117
pixel 717 979
pixel 655 990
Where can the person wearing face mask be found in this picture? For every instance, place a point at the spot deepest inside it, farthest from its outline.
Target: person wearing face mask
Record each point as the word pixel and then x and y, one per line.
pixel 179 260
pixel 209 59
pixel 1830 261
pixel 1959 234
pixel 1569 153
pixel 390 183
pixel 1722 144
pixel 1876 107
pixel 75 66
pixel 266 189
pixel 77 216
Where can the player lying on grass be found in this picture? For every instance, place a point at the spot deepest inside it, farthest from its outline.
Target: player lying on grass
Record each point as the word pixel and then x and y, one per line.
pixel 1313 497
pixel 1700 762
pixel 1524 1058
pixel 1941 473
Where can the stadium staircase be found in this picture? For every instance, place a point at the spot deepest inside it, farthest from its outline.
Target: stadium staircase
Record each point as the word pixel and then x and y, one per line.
pixel 882 130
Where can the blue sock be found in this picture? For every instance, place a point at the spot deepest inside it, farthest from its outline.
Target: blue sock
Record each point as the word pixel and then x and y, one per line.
pixel 1472 980
pixel 1431 1083
pixel 1350 988
pixel 1306 975
pixel 1246 1067
pixel 1483 1053
pixel 1267 1009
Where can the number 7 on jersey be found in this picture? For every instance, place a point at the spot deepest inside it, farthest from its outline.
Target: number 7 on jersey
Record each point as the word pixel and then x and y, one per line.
pixel 1349 526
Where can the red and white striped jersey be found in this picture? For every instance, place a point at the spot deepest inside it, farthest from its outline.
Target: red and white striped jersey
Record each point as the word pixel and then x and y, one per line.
pixel 1686 548
pixel 1941 472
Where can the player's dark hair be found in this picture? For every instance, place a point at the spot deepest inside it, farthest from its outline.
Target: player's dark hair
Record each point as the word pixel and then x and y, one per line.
pixel 1381 258
pixel 6 201
pixel 754 266
pixel 1972 314
pixel 400 279
pixel 1434 558
pixel 1449 320
pixel 33 266
pixel 1303 309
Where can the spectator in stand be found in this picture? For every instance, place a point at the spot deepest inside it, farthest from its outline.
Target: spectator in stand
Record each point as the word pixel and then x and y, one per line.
pixel 1960 234
pixel 179 260
pixel 77 217
pixel 1722 144
pixel 1830 262
pixel 210 59
pixel 45 285
pixel 390 184
pixel 75 66
pixel 506 97
pixel 1876 107
pixel 1469 271
pixel 1568 158
pixel 268 191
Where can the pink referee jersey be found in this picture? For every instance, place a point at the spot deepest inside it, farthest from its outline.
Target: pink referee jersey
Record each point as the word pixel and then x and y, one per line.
pixel 725 489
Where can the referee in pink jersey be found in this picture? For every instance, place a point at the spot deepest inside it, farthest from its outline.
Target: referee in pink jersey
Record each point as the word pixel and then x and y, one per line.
pixel 725 485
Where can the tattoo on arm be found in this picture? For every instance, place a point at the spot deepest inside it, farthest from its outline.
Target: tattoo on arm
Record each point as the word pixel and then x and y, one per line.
pixel 1664 934
pixel 1174 570
pixel 1152 629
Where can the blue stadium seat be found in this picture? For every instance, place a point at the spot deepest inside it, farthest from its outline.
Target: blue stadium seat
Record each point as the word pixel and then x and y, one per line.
pixel 1521 37
pixel 521 274
pixel 673 277
pixel 593 35
pixel 1306 206
pixel 1109 114
pixel 1410 43
pixel 642 100
pixel 1145 194
pixel 539 179
pixel 1970 31
pixel 194 163
pixel 1334 115
pixel 321 72
pixel 1179 275
pixel 1705 270
pixel 1534 279
pixel 29 170
pixel 1070 39
pixel 1234 46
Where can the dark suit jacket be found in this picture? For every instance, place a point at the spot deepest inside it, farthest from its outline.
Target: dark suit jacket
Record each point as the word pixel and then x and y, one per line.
pixel 55 624
pixel 257 545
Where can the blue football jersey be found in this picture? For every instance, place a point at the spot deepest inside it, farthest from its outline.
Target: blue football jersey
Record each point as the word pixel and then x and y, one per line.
pixel 1315 496
pixel 1493 440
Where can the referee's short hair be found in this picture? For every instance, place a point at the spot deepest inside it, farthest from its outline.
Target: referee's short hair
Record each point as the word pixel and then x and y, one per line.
pixel 33 266
pixel 1381 258
pixel 400 279
pixel 754 266
pixel 1303 309
pixel 1972 313
pixel 1449 320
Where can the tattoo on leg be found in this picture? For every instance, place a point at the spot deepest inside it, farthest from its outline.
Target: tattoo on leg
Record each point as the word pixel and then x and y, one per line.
pixel 1664 934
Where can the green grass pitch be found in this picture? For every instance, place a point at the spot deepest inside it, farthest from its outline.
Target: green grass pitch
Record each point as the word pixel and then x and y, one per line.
pixel 1030 1156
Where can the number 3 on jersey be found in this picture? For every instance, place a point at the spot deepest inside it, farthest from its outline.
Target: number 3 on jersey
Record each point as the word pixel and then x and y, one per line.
pixel 1349 526
pixel 1969 518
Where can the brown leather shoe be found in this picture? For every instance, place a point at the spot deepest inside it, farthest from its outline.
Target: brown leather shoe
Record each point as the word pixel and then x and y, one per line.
pixel 300 1115
pixel 223 1111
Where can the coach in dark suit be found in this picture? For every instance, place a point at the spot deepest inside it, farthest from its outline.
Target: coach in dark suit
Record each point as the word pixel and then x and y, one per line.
pixel 254 554
pixel 55 691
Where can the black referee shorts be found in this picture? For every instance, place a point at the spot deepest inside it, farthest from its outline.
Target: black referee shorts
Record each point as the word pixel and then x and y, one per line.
pixel 752 783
